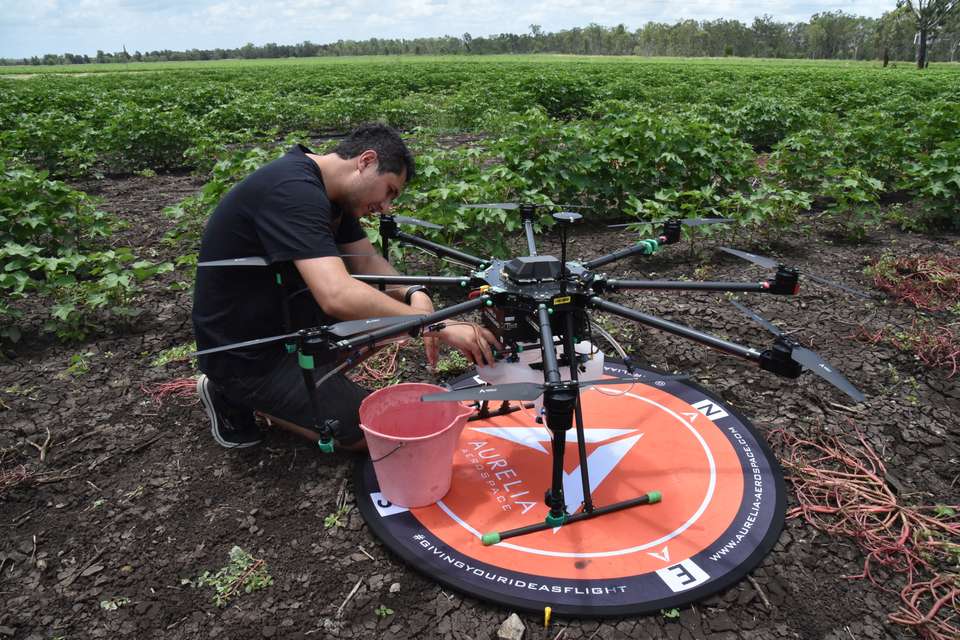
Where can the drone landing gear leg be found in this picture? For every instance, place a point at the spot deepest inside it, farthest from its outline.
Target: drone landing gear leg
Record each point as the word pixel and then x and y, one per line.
pixel 562 407
pixel 565 401
pixel 325 442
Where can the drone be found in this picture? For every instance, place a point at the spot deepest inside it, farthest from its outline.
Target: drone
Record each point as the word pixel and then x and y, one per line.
pixel 541 301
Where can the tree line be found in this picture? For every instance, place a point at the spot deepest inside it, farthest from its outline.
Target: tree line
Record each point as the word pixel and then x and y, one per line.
pixel 906 33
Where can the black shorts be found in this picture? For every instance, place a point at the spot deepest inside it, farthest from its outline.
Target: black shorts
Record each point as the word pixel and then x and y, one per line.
pixel 283 394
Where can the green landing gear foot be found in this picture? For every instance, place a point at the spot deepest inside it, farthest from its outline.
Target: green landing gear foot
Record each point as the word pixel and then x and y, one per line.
pixel 654 497
pixel 326 445
pixel 490 538
pixel 556 522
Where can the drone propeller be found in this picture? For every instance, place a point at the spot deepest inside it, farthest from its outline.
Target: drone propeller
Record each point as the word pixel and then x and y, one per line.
pixel 341 330
pixel 690 222
pixel 526 391
pixel 353 327
pixel 808 359
pixel 245 344
pixel 416 222
pixel 509 206
pixel 770 263
pixel 762 261
pixel 252 261
pixel 258 261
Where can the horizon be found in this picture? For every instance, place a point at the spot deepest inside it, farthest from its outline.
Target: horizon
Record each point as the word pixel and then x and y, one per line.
pixel 58 27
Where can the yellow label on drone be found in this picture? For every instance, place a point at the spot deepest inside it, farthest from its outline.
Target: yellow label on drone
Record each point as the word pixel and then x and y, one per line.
pixel 563 300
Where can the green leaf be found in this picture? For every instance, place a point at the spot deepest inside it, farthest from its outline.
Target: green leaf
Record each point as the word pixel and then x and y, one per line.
pixel 62 312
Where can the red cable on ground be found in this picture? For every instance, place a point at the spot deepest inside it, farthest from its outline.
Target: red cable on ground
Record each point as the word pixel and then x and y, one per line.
pixel 379 368
pixel 841 490
pixel 935 346
pixel 929 283
pixel 180 388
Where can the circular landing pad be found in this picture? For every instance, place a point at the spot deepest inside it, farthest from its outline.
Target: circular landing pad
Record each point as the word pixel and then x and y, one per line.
pixel 722 506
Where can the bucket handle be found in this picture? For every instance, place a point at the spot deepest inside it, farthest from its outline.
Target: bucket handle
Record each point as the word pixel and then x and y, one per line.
pixel 395 449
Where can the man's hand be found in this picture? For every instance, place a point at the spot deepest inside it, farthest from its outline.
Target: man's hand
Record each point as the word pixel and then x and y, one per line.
pixel 472 340
pixel 431 344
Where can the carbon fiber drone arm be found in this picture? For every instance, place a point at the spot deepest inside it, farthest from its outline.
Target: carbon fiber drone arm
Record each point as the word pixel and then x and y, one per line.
pixel 643 248
pixel 433 281
pixel 683 331
pixel 413 325
pixel 778 285
pixel 440 250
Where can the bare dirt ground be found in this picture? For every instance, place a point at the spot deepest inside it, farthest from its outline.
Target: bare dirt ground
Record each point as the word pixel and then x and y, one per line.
pixel 125 498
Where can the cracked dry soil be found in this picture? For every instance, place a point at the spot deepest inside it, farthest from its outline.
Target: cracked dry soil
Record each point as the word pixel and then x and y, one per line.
pixel 133 497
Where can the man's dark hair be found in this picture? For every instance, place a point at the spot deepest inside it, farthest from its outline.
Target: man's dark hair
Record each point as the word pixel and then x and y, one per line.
pixel 392 153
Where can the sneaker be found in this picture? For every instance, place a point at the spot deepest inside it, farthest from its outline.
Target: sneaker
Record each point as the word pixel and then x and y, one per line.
pixel 235 432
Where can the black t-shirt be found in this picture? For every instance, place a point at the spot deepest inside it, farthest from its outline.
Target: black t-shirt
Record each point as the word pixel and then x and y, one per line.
pixel 280 212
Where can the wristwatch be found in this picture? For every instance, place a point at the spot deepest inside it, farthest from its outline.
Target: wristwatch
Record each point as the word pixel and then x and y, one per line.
pixel 408 295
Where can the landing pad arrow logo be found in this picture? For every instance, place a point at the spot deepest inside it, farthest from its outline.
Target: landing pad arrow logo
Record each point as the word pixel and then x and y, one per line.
pixel 600 463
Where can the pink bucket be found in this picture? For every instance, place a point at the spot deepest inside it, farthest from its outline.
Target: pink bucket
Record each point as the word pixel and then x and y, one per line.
pixel 412 442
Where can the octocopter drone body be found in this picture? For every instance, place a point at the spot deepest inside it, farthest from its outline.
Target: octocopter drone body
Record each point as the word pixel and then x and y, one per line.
pixel 541 301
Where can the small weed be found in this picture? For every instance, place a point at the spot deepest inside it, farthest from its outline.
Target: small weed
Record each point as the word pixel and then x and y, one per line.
pixel 174 354
pixel 78 365
pixel 383 611
pixel 114 603
pixel 670 614
pixel 943 511
pixel 243 572
pixel 454 363
pixel 703 273
pixel 23 392
pixel 335 519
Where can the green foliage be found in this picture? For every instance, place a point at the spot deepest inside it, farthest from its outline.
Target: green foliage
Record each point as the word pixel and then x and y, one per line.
pixel 145 137
pixel 79 364
pixel 335 519
pixel 452 363
pixel 625 154
pixel 854 201
pixel 943 511
pixel 174 354
pixel 53 139
pixel 243 573
pixel 768 208
pixel 112 604
pixel 761 121
pixel 383 611
pixel 936 177
pixel 51 246
pixel 190 214
pixel 631 137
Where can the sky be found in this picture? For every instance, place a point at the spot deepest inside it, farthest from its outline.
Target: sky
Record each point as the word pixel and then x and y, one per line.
pixel 35 27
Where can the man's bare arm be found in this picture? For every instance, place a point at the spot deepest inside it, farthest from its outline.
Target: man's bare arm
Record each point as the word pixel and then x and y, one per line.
pixel 344 298
pixel 364 259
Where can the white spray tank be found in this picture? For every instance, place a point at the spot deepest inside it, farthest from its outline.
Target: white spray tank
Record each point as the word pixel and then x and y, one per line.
pixel 521 371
